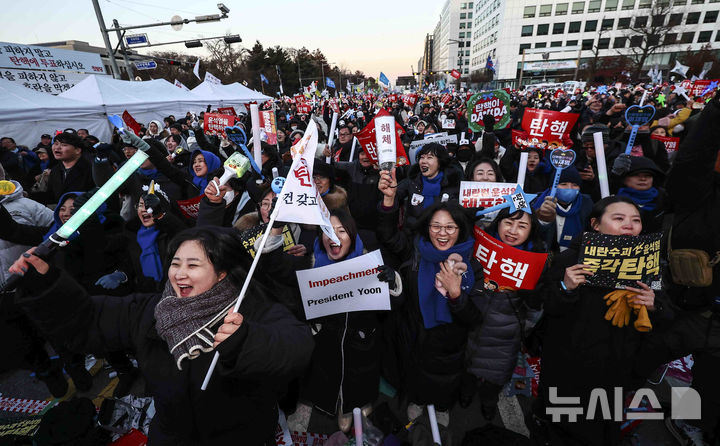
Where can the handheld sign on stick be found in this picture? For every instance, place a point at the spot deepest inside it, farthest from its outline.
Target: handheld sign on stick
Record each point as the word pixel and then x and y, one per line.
pixel 385 140
pixel 637 116
pixel 518 201
pixel 331 136
pixel 561 159
pixel 601 164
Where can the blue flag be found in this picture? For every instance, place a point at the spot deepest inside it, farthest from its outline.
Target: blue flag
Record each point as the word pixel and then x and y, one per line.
pixel 489 64
pixel 329 82
pixel 264 79
pixel 384 79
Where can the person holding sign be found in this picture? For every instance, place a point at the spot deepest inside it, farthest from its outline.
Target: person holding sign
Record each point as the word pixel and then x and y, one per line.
pixel 582 348
pixel 173 332
pixel 428 330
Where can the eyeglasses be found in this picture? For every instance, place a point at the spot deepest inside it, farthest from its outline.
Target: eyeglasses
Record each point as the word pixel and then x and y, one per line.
pixel 449 229
pixel 266 205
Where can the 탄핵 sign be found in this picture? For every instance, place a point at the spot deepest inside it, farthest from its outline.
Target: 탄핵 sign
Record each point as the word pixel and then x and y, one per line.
pixel 344 287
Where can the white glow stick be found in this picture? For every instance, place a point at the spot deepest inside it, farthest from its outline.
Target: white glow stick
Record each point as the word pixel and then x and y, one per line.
pixel 331 135
pixel 602 166
pixel 352 149
pixel 434 424
pixel 642 101
pixel 255 117
pixel 357 422
pixel 522 169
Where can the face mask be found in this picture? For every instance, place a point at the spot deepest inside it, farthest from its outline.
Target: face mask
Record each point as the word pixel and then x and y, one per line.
pixel 464 155
pixel 566 195
pixel 293 127
pixel 442 117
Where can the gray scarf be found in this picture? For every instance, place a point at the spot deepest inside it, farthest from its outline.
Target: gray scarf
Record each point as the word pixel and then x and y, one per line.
pixel 185 322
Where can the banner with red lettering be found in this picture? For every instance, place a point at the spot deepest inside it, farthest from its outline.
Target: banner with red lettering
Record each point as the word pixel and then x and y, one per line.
pixel 268 127
pixel 393 98
pixel 474 194
pixel 367 141
pixel 445 98
pixel 548 125
pixel 299 98
pixel 455 74
pixel 227 111
pixel 671 143
pixel 505 267
pixel 493 103
pixel 410 99
pixel 304 108
pixel 190 207
pixel 696 88
pixel 215 123
pixel 130 122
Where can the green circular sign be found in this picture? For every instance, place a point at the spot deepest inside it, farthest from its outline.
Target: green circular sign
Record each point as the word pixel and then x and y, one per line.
pixel 494 102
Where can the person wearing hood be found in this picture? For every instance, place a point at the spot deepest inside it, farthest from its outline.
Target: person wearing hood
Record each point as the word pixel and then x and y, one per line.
pixel 156 131
pixel 642 184
pixel 177 149
pixel 564 216
pixel 537 175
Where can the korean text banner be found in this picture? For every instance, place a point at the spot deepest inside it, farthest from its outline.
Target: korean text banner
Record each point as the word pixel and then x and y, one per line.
pixel 230 111
pixel 54 82
pixel 344 287
pixel 618 261
pixel 475 194
pixel 548 125
pixel 505 267
pixel 268 127
pixel 671 143
pixel 31 57
pixel 249 236
pixel 367 141
pixel 215 123
pixel 493 103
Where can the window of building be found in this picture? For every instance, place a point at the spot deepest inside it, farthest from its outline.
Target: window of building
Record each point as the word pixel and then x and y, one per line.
pixel 594 6
pixel 704 36
pixel 611 5
pixel 675 19
pixel 693 18
pixel 591 25
pixel 559 28
pixel 462 25
pixel 603 43
pixel 524 46
pixel 717 37
pixel 571 43
pixel 607 24
pixel 653 40
pixel 542 30
pixel 636 41
pixel 462 16
pixel 561 9
pixel 527 30
pixel 469 15
pixel 467 53
pixel 644 4
pixel 469 25
pixel 578 7
pixel 710 17
pixel 587 44
pixel 619 42
pixel 545 10
pixel 697 2
pixel 641 21
pixel 624 22
pixel 529 12
pixel 658 20
pixel 687 37
pixel 663 3
pixel 540 44
pixel 461 36
pixel 574 27
pixel 628 4
pixel 670 38
pixel 556 44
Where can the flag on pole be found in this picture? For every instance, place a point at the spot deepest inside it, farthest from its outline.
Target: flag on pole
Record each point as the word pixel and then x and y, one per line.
pixel 383 79
pixel 329 82
pixel 196 69
pixel 264 79
pixel 277 70
pixel 361 86
pixel 347 85
pixel 212 79
pixel 299 200
pixel 706 67
pixel 181 85
pixel 489 64
pixel 680 69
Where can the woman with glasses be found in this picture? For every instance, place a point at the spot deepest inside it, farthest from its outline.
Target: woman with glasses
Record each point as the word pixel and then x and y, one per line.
pixel 426 333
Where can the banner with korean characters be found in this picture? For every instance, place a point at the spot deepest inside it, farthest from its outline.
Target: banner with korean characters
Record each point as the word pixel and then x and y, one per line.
pixel 31 57
pixel 474 194
pixel 548 125
pixel 268 127
pixel 505 267
pixel 618 261
pixel 671 143
pixel 368 142
pixel 54 82
pixel 215 123
pixel 493 103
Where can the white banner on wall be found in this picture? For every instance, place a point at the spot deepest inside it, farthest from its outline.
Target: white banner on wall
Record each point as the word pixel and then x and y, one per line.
pixel 550 65
pixel 54 82
pixel 31 57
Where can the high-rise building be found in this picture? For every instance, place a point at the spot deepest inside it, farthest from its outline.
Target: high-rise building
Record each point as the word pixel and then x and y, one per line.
pixel 451 38
pixel 556 34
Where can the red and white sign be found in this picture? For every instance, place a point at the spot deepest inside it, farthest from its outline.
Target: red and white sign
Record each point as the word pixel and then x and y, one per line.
pixel 410 99
pixel 696 88
pixel 130 122
pixel 547 124
pixel 268 127
pixel 304 108
pixel 367 140
pixel 215 123
pixel 190 207
pixel 671 143
pixel 393 98
pixel 334 106
pixel 516 135
pixel 475 194
pixel 509 268
pixel 445 98
pixel 22 405
pixel 455 73
pixel 299 98
pixel 230 111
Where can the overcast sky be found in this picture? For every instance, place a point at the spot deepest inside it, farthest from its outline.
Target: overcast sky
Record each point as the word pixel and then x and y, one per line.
pixel 371 36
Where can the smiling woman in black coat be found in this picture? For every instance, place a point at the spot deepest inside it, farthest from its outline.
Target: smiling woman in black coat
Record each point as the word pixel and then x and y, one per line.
pixel 174 335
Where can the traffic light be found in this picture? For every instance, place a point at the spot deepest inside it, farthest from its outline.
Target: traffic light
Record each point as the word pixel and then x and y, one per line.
pixel 232 39
pixel 193 44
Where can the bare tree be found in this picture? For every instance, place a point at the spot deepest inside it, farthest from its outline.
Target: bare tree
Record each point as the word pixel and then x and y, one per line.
pixel 648 34
pixel 225 59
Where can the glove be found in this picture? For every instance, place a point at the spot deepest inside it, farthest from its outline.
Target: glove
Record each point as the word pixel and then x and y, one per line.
pixel 621 165
pixel 619 311
pixel 489 122
pixel 129 137
pixel 82 199
pixel 642 323
pixel 112 280
pixel 387 274
pixel 153 205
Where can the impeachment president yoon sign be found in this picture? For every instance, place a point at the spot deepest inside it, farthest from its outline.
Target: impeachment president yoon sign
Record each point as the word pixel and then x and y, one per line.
pixel 344 287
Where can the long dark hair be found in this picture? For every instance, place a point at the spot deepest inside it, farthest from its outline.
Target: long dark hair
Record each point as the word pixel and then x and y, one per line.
pixel 457 213
pixel 601 206
pixel 348 223
pixel 534 240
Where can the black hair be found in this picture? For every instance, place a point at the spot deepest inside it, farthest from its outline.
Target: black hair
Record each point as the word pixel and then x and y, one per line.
pixel 7 137
pixel 221 248
pixel 457 213
pixel 538 245
pixel 348 223
pixel 176 137
pixel 599 208
pixel 436 149
pixel 470 168
pixel 92 139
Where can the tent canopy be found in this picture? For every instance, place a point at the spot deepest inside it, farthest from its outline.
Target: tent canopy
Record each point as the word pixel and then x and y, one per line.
pixel 227 95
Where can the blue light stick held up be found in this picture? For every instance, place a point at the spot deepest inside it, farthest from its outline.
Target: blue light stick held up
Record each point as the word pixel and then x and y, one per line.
pixel 560 158
pixel 637 116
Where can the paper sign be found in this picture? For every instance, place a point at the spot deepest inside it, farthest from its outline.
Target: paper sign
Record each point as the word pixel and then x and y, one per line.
pixel 190 207
pixel 505 267
pixel 215 123
pixel 494 103
pixel 455 74
pixel 230 111
pixel 249 236
pixel 475 194
pixel 621 260
pixel 410 100
pixel 130 122
pixel 304 108
pixel 268 127
pixel 368 142
pixel 441 138
pixel 696 88
pixel 547 124
pixel 445 98
pixel 344 287
pixel 448 124
pixel 671 143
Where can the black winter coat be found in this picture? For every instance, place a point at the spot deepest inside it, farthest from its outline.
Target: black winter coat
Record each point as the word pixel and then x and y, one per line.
pixel 409 192
pixel 239 404
pixel 78 179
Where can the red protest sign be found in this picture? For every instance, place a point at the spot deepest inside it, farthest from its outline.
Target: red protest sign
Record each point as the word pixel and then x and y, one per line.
pixel 230 111
pixel 268 127
pixel 506 267
pixel 445 98
pixel 671 143
pixel 455 74
pixel 304 108
pixel 299 98
pixel 215 123
pixel 367 141
pixel 334 106
pixel 410 99
pixel 393 97
pixel 474 194
pixel 130 122
pixel 517 135
pixel 548 125
pixel 190 207
pixel 697 87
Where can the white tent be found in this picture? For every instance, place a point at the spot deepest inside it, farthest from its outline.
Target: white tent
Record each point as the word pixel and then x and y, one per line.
pixel 26 114
pixel 227 95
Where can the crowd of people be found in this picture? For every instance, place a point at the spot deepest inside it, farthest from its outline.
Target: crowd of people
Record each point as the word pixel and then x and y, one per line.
pixel 150 288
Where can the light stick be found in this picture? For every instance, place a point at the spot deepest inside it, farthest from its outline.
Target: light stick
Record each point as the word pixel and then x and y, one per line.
pixel 255 118
pixel 352 149
pixel 434 424
pixel 560 159
pixel 601 164
pixel 637 116
pixel 331 135
pixel 357 422
pixel 522 169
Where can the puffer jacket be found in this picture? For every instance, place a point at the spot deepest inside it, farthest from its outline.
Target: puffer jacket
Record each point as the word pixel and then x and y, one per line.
pixel 23 211
pixel 409 191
